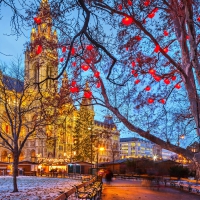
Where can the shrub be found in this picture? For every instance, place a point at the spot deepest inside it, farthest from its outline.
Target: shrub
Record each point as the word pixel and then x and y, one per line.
pixel 179 171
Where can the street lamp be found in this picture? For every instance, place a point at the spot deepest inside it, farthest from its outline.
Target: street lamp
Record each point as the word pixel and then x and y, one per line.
pixel 99 149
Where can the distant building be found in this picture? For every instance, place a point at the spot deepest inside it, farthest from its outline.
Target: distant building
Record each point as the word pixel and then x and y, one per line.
pixel 194 147
pixel 168 155
pixel 137 148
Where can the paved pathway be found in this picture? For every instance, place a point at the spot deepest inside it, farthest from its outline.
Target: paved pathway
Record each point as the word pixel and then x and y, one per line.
pixel 135 190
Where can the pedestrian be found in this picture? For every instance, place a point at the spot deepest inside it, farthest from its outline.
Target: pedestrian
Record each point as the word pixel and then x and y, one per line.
pixel 109 176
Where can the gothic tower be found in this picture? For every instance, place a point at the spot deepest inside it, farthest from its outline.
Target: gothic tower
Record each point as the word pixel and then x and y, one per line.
pixel 41 58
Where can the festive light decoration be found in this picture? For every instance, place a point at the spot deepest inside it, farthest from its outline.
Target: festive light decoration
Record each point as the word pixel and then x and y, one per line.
pixel 85 67
pixel 130 3
pixel 39 50
pixel 173 78
pixel 97 74
pixel 167 81
pixel 198 19
pixel 147 3
pixel 148 88
pixel 98 85
pixel 73 83
pixel 74 89
pixel 150 100
pixel 187 37
pixel 137 81
pixel 166 50
pixel 152 71
pixel 155 10
pixel 61 59
pixel 126 48
pixel 138 38
pixel 133 72
pixel 89 47
pixel 157 78
pixel 64 49
pixel 37 20
pixel 120 7
pixel 73 51
pixel 151 15
pixel 157 49
pixel 133 64
pixel 127 21
pixel 177 86
pixel 135 75
pixel 88 94
pixel 88 61
pixel 162 101
pixel 165 33
pixel 74 64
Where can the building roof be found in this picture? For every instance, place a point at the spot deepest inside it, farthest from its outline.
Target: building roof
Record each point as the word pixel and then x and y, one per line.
pixel 13 84
pixel 129 139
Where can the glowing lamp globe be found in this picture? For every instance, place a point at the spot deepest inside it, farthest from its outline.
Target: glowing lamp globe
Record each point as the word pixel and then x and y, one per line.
pixel 173 78
pixel 89 47
pixel 88 94
pixel 155 10
pixel 61 59
pixel 120 7
pixel 137 81
pixel 74 64
pixel 150 100
pixel 64 49
pixel 147 3
pixel 98 85
pixel 85 67
pixel 157 78
pixel 133 64
pixel 127 21
pixel 151 15
pixel 39 50
pixel 165 33
pixel 166 50
pixel 138 38
pixel 73 51
pixel 148 88
pixel 178 86
pixel 157 49
pixel 97 74
pixel 162 101
pixel 74 89
pixel 130 3
pixel 37 20
pixel 73 83
pixel 152 71
pixel 167 81
pixel 133 71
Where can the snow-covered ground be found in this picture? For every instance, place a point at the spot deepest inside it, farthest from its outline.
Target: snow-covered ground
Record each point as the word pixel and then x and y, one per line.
pixel 35 188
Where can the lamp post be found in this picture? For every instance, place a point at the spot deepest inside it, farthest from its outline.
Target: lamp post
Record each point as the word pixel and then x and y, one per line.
pixel 99 149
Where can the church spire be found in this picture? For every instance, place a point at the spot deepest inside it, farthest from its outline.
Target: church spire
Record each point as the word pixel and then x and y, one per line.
pixel 86 100
pixel 43 55
pixel 64 90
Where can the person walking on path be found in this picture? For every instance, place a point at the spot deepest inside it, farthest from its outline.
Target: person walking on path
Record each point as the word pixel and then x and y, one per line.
pixel 108 176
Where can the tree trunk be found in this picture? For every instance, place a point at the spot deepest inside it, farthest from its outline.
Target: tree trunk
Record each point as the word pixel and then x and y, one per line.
pixel 15 172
